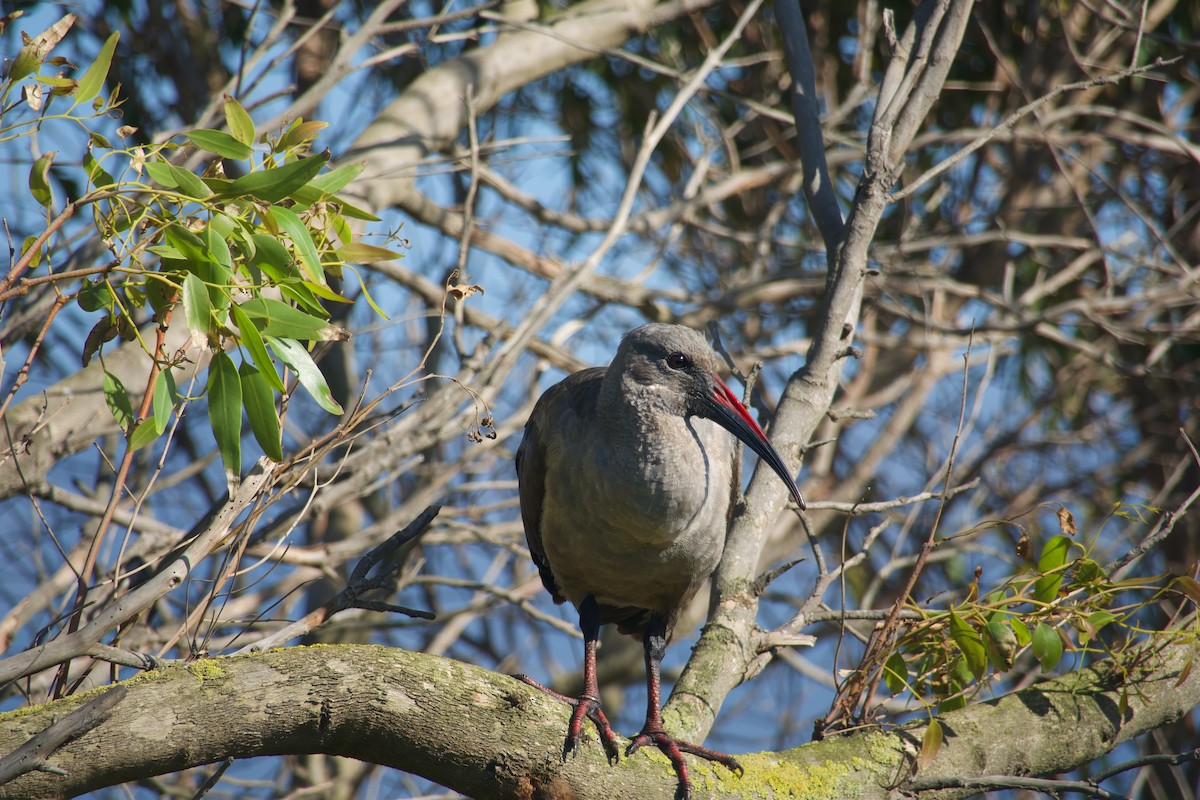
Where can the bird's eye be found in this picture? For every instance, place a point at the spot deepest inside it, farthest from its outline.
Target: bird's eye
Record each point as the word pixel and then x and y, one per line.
pixel 678 361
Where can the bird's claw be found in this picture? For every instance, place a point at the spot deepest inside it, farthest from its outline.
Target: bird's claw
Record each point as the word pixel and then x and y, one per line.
pixel 674 749
pixel 589 706
pixel 586 706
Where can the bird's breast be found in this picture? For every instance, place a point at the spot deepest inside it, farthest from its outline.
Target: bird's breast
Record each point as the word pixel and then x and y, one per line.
pixel 638 517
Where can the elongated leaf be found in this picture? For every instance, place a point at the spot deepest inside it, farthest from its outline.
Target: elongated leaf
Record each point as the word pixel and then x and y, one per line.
pixel 279 319
pixel 39 179
pixel 96 173
pixel 272 257
pixel 300 132
pixel 367 294
pixel 931 743
pixel 337 179
pixel 295 356
pixel 273 185
pixel 217 249
pixel 1045 589
pixel 221 143
pixel 895 674
pixel 93 80
pixel 1021 631
pixel 1054 553
pixel 160 173
pixel 1047 646
pixel 1091 624
pixel 145 433
pixel 360 253
pixel 1053 558
pixel 260 410
pixel 190 247
pixel 970 643
pixel 252 340
pixel 189 183
pixel 117 400
pixel 306 250
pixel 1187 586
pixel 225 410
pixel 196 307
pixel 239 122
pixel 163 401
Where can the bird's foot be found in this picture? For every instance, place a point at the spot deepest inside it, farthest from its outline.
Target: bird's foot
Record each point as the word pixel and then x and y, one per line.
pixel 674 749
pixel 586 706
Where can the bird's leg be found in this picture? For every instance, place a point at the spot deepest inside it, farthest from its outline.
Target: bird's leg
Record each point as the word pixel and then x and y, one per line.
pixel 652 732
pixel 588 703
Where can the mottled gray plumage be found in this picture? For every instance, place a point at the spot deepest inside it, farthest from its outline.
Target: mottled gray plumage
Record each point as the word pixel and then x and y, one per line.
pixel 626 478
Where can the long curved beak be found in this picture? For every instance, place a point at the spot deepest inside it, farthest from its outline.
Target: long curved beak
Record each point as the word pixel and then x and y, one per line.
pixel 722 407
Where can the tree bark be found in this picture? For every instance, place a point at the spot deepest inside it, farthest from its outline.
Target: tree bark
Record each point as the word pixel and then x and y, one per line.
pixel 490 736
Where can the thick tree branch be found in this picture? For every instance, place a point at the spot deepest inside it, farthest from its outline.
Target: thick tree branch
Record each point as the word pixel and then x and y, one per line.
pixel 490 736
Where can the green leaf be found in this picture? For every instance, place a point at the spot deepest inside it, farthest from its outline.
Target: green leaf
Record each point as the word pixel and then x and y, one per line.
pixel 252 340
pixel 93 80
pixel 188 183
pixel 1053 558
pixel 95 296
pixel 1045 589
pixel 221 143
pixel 337 179
pixel 931 743
pixel 225 410
pixel 189 246
pixel 196 307
pixel 1054 554
pixel 310 260
pixel 362 284
pixel 360 253
pixel 39 179
pixel 272 257
pixel 895 674
pixel 217 249
pixel 1000 643
pixel 145 433
pixel 1021 631
pixel 295 356
pixel 953 703
pixel 276 183
pixel 260 410
pixel 300 132
pixel 239 122
pixel 160 172
pixel 118 401
pixel 1189 587
pixel 1092 623
pixel 37 256
pixel 96 173
pixel 970 643
pixel 163 401
pixel 279 319
pixel 1088 571
pixel 1047 646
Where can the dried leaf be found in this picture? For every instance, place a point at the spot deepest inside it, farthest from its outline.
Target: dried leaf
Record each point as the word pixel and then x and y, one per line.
pixel 460 291
pixel 1066 522
pixel 1023 545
